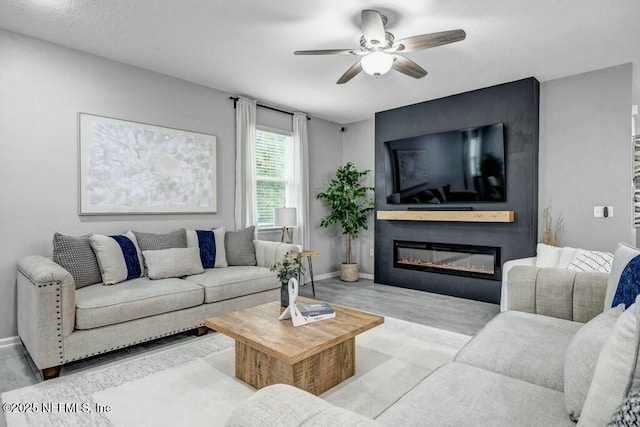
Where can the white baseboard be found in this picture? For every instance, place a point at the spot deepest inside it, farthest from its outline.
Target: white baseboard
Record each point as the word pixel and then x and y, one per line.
pixel 324 276
pixel 335 274
pixel 6 342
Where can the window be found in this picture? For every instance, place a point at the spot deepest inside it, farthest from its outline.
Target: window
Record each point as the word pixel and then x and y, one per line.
pixel 274 169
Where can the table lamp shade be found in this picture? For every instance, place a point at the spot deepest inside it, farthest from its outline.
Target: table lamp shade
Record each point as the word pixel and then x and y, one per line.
pixel 285 217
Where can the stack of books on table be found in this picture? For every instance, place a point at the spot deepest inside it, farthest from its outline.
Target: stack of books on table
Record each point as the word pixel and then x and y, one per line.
pixel 316 311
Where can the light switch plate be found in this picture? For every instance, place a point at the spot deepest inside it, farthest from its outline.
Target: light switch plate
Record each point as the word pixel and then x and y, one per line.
pixel 598 211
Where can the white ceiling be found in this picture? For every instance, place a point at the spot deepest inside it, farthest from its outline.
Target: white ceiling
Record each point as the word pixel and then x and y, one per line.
pixel 245 46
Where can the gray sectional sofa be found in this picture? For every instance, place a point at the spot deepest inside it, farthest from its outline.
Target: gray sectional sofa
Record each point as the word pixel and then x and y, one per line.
pixel 537 364
pixel 59 323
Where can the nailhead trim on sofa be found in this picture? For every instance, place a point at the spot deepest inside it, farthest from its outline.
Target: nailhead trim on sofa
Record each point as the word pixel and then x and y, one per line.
pixel 133 343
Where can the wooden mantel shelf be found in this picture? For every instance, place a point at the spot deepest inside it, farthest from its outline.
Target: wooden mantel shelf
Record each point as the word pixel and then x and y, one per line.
pixel 453 216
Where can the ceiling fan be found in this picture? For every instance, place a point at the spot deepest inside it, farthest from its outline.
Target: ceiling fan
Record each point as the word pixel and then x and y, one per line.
pixel 380 52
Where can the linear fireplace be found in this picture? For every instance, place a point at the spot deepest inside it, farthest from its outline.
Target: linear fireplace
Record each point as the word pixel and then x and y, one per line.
pixel 461 260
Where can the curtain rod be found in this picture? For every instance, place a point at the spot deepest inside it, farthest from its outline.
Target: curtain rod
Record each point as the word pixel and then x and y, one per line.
pixel 235 101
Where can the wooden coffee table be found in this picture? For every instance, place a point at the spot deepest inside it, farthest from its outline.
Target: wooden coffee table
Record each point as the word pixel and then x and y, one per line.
pixel 313 357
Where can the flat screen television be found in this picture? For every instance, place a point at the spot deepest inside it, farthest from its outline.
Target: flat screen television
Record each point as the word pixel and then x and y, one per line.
pixel 461 166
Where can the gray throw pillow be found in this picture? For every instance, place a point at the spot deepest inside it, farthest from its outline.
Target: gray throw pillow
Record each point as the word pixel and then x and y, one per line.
pixel 582 356
pixel 75 255
pixel 239 247
pixel 617 371
pixel 157 242
pixel 174 262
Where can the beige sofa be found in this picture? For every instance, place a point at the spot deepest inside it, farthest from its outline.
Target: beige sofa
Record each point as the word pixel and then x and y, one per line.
pixel 58 323
pixel 512 373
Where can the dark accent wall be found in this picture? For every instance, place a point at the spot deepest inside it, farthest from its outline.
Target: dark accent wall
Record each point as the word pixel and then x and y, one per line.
pixel 514 104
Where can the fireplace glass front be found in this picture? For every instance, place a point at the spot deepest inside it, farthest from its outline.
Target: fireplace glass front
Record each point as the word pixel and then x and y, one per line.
pixel 445 258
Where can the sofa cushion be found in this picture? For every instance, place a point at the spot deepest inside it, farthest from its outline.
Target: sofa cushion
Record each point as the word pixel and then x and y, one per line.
pixel 624 255
pixel 211 246
pixel 119 257
pixel 174 262
pixel 98 305
pixel 75 255
pixel 457 394
pixel 239 246
pixel 554 292
pixel 226 283
pixel 617 371
pixel 582 356
pixel 520 345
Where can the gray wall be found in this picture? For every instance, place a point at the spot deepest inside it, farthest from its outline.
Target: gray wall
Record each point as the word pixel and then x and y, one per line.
pixel 586 156
pixel 358 147
pixel 325 157
pixel 42 89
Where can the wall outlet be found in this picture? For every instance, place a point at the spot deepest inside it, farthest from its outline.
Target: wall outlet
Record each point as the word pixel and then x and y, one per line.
pixel 599 211
pixel 370 251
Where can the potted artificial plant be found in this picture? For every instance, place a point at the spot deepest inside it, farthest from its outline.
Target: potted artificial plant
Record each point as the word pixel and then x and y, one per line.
pixel 350 206
pixel 289 267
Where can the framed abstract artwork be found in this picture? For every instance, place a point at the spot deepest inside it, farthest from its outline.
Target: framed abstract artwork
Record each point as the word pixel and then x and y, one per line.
pixel 137 168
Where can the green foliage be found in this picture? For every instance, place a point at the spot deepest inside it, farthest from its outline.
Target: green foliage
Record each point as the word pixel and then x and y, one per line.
pixel 290 266
pixel 349 202
pixel 270 195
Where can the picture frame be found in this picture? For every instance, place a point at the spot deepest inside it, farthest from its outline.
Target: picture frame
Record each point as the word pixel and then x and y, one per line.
pixel 128 167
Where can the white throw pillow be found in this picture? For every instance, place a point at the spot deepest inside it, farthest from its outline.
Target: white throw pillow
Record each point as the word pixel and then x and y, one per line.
pixel 592 261
pixel 206 251
pixel 174 262
pixel 119 257
pixel 548 256
pixel 621 258
pixel 617 370
pixel 567 254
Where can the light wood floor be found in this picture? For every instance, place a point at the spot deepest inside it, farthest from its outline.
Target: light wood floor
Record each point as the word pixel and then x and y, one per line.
pixel 440 311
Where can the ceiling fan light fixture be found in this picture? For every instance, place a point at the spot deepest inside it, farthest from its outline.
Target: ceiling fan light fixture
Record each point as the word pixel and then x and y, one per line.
pixel 377 63
pixel 380 52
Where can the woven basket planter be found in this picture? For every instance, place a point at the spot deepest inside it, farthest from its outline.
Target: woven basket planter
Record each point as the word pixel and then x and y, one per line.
pixel 349 272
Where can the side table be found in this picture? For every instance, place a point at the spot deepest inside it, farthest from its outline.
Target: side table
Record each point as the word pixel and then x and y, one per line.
pixel 308 253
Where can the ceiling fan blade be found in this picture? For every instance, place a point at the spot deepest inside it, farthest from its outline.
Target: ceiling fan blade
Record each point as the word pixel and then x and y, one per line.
pixel 373 26
pixel 350 73
pixel 408 67
pixel 326 52
pixel 426 41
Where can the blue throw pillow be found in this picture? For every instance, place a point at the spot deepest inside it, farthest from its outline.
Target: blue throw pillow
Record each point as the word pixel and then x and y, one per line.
pixel 211 246
pixel 119 257
pixel 629 284
pixel 130 255
pixel 207 244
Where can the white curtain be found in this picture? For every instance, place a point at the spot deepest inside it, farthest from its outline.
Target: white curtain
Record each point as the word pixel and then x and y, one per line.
pixel 301 175
pixel 246 213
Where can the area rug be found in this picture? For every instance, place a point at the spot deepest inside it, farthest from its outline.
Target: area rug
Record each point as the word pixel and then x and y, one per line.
pixel 193 383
